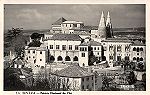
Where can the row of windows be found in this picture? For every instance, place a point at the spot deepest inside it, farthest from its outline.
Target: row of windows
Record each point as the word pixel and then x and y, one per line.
pixel 119 58
pixel 94 48
pixel 34 60
pixel 87 86
pixel 67 58
pixel 34 51
pixel 127 48
pixel 83 48
pixel 137 59
pixel 30 57
pixel 64 47
pixel 83 54
pixel 137 49
pixel 70 25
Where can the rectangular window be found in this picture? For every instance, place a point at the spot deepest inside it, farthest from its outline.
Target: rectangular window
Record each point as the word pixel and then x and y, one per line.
pixel 97 48
pixel 63 47
pixel 119 48
pixel 82 79
pixel 87 79
pixel 118 58
pixel 70 47
pixel 81 49
pixel 57 46
pixel 94 48
pixel 83 54
pixel 110 48
pixel 51 46
pixel 110 57
pixel 28 51
pixel 40 52
pixel 40 59
pixel 76 47
pixel 85 49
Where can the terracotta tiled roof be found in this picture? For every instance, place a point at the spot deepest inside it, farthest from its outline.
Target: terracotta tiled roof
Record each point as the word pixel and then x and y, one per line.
pixel 73 71
pixel 72 37
pixel 59 21
pixel 90 43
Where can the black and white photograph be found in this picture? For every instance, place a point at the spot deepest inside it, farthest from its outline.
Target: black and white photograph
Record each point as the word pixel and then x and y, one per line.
pixel 74 47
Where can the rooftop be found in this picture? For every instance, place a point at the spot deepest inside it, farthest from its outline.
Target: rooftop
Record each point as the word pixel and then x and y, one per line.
pixel 76 22
pixel 138 43
pixel 59 21
pixel 117 40
pixel 73 71
pixel 72 37
pixel 90 43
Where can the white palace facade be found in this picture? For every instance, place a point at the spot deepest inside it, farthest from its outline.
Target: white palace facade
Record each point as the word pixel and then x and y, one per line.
pixel 68 42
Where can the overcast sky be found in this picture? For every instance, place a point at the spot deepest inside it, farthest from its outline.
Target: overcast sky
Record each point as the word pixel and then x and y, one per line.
pixel 42 16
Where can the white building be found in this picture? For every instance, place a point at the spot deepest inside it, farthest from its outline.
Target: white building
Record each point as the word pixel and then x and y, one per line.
pixel 116 50
pixel 36 56
pixel 76 78
pixel 68 42
pixel 64 47
pixel 138 52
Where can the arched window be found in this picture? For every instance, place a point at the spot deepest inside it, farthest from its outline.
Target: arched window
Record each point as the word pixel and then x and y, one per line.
pixel 134 58
pixel 75 58
pixel 52 58
pixel 134 49
pixel 67 58
pixel 138 59
pixel 59 58
pixel 141 49
pixel 141 59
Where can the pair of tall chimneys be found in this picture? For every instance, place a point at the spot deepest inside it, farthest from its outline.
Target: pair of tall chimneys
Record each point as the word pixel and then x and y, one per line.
pixel 103 25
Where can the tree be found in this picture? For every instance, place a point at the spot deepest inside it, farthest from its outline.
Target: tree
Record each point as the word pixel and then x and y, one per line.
pixel 105 83
pixel 131 78
pixel 12 81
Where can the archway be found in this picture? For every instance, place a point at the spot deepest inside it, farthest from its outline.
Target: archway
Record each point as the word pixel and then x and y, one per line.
pixel 141 59
pixel 67 58
pixel 75 58
pixel 134 58
pixel 134 49
pixel 52 58
pixel 59 58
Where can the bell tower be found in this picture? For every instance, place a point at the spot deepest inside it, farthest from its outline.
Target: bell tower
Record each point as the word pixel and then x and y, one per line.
pixel 109 30
pixel 102 27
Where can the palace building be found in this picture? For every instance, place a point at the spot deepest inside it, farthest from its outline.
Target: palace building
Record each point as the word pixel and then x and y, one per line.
pixel 69 42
